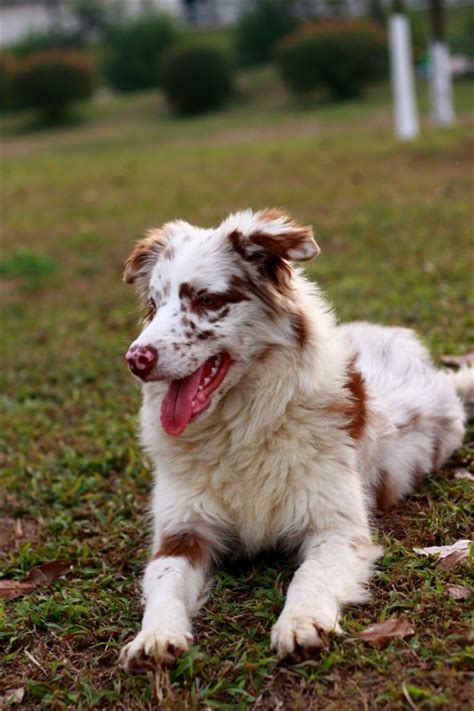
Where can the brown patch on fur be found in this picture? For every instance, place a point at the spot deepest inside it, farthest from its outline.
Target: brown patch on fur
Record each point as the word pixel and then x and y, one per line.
pixel 204 335
pixel 272 272
pixel 299 324
pixel 187 545
pixel 186 291
pixel 220 315
pixel 353 409
pixel 145 253
pixel 238 243
pixel 358 414
pixel 237 291
pixel 283 244
pixel 386 492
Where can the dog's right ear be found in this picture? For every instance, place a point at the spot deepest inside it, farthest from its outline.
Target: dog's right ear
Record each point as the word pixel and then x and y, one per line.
pixel 144 256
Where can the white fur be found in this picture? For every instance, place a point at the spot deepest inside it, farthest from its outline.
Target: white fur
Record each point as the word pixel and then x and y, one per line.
pixel 271 462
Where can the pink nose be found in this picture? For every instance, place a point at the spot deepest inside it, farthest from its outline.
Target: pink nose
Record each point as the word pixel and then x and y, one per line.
pixel 141 360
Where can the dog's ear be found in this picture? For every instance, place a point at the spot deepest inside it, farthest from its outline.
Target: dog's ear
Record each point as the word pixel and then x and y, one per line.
pixel 274 233
pixel 144 256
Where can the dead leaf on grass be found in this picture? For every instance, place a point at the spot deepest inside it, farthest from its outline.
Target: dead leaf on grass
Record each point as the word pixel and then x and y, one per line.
pixel 463 474
pixel 458 592
pixel 453 559
pixel 461 546
pixel 46 573
pixel 40 576
pixel 458 360
pixel 13 696
pixel 10 589
pixel 381 633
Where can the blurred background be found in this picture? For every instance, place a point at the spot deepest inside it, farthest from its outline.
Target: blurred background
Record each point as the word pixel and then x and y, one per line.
pixel 117 116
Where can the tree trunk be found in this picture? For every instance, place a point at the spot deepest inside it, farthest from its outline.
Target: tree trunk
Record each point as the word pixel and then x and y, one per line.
pixel 403 82
pixel 441 88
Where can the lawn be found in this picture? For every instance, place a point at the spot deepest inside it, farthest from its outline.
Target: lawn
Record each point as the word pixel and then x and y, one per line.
pixel 395 225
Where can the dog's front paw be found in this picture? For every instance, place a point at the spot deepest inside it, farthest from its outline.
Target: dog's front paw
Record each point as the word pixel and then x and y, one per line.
pixel 153 648
pixel 301 634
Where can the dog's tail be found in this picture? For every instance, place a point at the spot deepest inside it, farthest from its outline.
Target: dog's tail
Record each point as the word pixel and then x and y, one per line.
pixel 463 381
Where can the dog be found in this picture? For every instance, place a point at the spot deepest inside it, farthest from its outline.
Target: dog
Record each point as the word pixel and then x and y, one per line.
pixel 270 425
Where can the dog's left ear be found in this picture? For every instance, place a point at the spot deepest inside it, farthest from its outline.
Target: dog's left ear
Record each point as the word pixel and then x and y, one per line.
pixel 143 257
pixel 275 233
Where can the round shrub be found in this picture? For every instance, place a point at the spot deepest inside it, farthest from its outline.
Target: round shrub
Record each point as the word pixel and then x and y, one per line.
pixel 341 56
pixel 196 79
pixel 259 29
pixel 135 50
pixel 51 81
pixel 8 68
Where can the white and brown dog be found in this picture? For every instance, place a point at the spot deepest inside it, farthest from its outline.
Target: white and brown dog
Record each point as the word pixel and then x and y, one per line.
pixel 269 425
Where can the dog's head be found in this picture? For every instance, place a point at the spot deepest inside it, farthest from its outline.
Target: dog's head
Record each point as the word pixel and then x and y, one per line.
pixel 215 300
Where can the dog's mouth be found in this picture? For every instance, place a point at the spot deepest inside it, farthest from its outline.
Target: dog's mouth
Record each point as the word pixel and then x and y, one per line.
pixel 186 398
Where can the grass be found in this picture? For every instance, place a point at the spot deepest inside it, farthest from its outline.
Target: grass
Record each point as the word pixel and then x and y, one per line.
pixel 394 221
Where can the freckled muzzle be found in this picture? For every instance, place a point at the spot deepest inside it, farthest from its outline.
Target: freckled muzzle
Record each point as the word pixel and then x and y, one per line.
pixel 141 360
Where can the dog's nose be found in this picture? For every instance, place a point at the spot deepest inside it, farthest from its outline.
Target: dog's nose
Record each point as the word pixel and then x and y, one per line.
pixel 141 360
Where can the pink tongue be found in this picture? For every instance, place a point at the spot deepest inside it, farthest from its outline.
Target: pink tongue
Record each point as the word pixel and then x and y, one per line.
pixel 177 404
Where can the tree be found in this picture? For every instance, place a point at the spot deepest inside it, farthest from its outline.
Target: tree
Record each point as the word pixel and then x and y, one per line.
pixel 441 90
pixel 403 82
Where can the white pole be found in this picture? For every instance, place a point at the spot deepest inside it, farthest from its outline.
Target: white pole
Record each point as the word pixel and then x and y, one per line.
pixel 441 88
pixel 403 83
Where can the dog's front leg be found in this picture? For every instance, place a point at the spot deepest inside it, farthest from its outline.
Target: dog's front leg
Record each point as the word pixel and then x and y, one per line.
pixel 335 567
pixel 173 591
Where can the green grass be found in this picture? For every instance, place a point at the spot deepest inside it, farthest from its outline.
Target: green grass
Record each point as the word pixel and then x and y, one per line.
pixel 395 224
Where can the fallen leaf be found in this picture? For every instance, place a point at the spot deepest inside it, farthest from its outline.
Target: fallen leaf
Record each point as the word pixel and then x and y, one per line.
pixel 46 573
pixel 450 561
pixel 14 696
pixel 459 592
pixel 458 360
pixel 10 589
pixel 381 633
pixel 40 576
pixel 464 474
pixel 444 551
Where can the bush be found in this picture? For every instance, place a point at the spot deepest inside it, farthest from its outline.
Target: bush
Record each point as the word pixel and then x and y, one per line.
pixel 36 42
pixel 259 29
pixel 8 69
pixel 196 79
pixel 341 56
pixel 51 81
pixel 135 51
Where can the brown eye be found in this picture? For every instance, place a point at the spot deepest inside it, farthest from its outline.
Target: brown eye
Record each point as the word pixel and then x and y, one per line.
pixel 210 301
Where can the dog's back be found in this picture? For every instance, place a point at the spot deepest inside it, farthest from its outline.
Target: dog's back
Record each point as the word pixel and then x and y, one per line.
pixel 418 418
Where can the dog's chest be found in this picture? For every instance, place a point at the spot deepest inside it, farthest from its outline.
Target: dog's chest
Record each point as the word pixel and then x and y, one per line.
pixel 261 492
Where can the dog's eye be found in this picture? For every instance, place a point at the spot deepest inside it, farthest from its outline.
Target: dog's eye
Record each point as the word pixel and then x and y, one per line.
pixel 210 301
